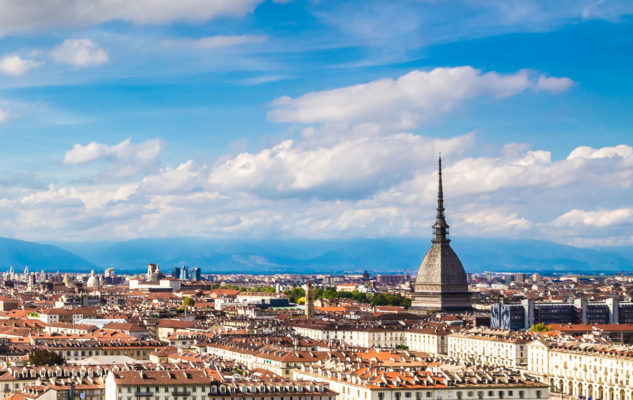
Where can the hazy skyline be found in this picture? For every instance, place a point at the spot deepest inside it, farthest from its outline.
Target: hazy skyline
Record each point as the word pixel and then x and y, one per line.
pixel 315 119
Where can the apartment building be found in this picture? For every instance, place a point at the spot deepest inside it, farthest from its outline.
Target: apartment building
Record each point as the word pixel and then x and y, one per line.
pixel 489 347
pixel 591 370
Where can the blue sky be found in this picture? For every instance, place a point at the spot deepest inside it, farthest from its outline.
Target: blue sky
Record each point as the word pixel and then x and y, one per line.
pixel 317 119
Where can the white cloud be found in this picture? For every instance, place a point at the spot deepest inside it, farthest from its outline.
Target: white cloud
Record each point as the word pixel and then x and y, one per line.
pixel 14 65
pixel 145 152
pixel 409 99
pixel 536 168
pixel 211 42
pixel 28 15
pixel 128 159
pixel 186 177
pixel 352 167
pixel 4 115
pixel 596 219
pixel 494 221
pixel 358 187
pixel 80 53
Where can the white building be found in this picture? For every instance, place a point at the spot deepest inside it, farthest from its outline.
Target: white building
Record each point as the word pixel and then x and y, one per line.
pixel 375 384
pixel 591 370
pixel 489 347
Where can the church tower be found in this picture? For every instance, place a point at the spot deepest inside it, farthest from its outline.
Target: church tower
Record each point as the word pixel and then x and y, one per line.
pixel 441 283
pixel 309 310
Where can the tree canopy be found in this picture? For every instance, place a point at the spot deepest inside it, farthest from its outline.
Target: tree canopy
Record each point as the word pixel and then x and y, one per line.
pixel 377 299
pixel 44 357
pixel 540 327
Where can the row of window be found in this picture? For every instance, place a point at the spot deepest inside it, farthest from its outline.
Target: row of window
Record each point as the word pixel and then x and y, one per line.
pixel 501 394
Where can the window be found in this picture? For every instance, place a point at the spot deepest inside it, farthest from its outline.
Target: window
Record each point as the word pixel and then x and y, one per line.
pixel 381 396
pixel 407 394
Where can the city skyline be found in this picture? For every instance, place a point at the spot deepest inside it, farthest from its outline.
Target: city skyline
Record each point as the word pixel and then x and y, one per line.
pixel 316 120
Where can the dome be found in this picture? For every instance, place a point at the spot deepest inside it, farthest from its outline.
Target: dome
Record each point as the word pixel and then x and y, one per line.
pixel 92 281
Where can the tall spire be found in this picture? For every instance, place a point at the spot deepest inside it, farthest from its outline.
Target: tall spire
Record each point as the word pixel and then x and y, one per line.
pixel 440 227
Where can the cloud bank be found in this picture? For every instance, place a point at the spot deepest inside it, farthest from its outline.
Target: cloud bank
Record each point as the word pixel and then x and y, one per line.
pixel 406 101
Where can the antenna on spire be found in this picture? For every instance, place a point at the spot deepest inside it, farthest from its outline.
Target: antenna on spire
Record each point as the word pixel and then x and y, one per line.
pixel 440 227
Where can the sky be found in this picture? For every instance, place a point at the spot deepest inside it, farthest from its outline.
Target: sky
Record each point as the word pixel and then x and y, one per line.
pixel 316 119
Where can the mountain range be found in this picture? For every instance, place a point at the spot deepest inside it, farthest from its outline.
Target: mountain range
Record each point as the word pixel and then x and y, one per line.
pixel 384 255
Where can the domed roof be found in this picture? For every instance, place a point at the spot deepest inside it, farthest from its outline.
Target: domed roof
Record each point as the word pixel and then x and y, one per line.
pixel 92 280
pixel 441 266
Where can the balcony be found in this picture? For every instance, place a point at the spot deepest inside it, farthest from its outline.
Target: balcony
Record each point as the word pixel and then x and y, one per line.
pixel 143 394
pixel 181 393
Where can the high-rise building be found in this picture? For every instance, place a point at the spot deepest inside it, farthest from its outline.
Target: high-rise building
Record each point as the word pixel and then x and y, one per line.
pixel 441 283
pixel 195 274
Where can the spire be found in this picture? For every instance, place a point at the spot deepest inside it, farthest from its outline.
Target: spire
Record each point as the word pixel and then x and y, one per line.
pixel 440 228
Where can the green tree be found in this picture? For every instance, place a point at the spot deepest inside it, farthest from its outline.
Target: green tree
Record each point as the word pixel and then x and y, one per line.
pixel 188 302
pixel 44 357
pixel 540 327
pixel 295 294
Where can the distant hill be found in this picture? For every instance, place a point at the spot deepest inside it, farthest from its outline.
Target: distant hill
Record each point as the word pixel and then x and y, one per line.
pixel 19 254
pixel 388 255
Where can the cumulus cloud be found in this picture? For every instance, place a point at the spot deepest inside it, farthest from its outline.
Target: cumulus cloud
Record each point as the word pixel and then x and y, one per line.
pixel 211 42
pixel 128 158
pixel 80 53
pixel 186 177
pixel 409 99
pixel 350 189
pixel 495 221
pixel 536 168
pixel 353 167
pixel 14 65
pixel 18 16
pixel 598 219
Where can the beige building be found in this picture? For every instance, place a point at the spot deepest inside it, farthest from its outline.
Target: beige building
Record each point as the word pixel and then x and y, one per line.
pixel 380 384
pixel 192 384
pixel 583 369
pixel 431 339
pixel 489 347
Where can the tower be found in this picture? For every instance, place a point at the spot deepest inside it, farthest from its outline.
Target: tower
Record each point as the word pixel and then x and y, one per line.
pixel 309 301
pixel 31 282
pixel 441 283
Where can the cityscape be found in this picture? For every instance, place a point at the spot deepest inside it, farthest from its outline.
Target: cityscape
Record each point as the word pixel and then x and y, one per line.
pixel 316 200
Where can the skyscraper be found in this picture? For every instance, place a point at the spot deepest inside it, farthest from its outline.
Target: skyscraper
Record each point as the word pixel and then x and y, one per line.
pixel 441 283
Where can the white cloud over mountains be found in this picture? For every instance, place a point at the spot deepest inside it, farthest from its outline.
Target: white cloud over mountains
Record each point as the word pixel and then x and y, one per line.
pixel 347 189
pixel 598 219
pixel 17 16
pixel 344 181
pixel 411 98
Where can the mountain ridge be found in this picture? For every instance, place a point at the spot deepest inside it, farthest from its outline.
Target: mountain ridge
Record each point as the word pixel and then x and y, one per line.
pixel 385 255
